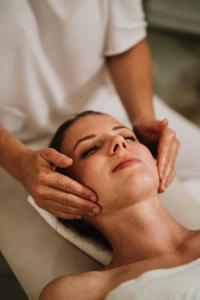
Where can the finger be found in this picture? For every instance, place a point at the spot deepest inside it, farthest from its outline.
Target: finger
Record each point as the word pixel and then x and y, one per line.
pixel 71 186
pixel 161 188
pixel 56 158
pixel 150 131
pixel 164 123
pixel 66 209
pixel 63 198
pixel 172 176
pixel 157 126
pixel 63 215
pixel 164 147
pixel 160 126
pixel 170 162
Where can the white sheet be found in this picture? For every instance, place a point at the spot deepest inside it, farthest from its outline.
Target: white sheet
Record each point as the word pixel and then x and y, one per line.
pixel 178 283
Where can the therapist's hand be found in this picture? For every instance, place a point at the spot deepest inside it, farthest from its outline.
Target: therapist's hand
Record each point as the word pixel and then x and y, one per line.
pixel 164 145
pixel 58 194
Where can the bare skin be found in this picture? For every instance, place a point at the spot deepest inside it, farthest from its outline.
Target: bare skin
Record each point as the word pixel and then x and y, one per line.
pixel 147 236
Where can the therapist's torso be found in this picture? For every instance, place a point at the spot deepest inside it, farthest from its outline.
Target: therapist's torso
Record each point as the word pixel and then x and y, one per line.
pixel 52 58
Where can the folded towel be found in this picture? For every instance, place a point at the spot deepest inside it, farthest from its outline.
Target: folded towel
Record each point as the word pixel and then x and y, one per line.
pixel 86 244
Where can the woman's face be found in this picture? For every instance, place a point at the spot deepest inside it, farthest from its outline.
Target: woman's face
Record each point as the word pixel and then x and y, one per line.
pixel 108 158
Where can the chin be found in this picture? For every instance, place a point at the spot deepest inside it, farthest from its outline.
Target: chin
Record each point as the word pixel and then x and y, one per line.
pixel 139 184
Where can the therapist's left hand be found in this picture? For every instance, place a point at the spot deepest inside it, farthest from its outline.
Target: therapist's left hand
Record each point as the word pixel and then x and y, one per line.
pixel 164 145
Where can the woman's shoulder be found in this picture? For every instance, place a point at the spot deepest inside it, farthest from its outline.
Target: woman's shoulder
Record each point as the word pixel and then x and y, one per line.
pixel 83 286
pixel 91 277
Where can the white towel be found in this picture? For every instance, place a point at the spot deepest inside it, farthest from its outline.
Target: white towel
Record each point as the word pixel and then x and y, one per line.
pixel 178 283
pixel 86 244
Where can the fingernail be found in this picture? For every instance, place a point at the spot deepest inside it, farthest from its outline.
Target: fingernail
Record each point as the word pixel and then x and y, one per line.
pixel 68 160
pixel 163 187
pixel 93 198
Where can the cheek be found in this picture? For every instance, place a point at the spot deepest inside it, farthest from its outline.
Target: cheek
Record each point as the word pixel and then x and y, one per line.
pixel 150 172
pixel 91 173
pixel 94 173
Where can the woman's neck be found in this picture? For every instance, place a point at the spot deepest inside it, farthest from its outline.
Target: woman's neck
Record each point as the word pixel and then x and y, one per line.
pixel 141 231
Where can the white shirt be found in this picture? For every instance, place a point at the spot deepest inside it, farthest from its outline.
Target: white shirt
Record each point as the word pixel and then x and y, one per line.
pixel 52 58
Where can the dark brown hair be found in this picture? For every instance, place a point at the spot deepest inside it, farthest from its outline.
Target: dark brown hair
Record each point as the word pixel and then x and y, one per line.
pixel 80 226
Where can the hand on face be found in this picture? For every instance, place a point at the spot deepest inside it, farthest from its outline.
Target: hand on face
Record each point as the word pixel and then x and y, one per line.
pixel 108 158
pixel 54 192
pixel 163 143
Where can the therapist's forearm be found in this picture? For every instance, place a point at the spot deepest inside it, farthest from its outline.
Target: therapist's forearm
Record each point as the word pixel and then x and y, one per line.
pixel 131 72
pixel 12 153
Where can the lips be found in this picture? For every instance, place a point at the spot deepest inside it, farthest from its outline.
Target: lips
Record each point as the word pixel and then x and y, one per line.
pixel 125 162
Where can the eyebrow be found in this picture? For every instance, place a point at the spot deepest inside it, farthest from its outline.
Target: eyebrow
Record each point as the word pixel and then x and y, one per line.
pixel 90 136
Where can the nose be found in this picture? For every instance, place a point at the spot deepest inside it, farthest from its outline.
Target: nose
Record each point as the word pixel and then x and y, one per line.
pixel 118 144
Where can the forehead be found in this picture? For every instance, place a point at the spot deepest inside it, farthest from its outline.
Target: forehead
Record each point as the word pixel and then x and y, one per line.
pixel 93 124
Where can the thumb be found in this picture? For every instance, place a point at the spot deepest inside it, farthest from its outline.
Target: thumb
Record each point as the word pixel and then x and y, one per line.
pixel 164 123
pixel 56 158
pixel 154 129
pixel 161 125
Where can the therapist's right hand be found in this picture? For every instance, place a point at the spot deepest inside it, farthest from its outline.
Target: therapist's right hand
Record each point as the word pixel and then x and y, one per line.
pixel 56 193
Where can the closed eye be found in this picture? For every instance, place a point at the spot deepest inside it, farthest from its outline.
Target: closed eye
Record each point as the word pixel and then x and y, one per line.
pixel 89 151
pixel 93 149
pixel 130 138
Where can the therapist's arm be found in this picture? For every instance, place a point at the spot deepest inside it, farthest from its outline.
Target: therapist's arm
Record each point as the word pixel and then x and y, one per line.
pixel 12 152
pixel 131 72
